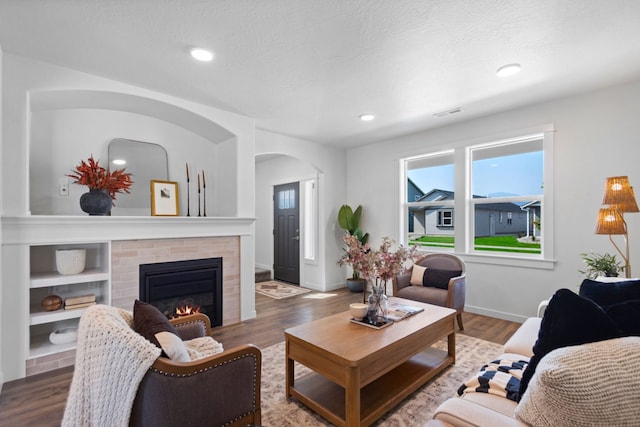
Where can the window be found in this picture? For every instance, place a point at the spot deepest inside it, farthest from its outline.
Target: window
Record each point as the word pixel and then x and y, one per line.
pixel 309 220
pixel 445 218
pixel 430 217
pixel 472 192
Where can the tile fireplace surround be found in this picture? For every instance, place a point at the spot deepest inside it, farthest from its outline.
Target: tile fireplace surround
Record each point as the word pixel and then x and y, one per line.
pixel 131 241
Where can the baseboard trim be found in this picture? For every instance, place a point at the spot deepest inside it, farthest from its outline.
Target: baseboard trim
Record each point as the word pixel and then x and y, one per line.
pixel 497 314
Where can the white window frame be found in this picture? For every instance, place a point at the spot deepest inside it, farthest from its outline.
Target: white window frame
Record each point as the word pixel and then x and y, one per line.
pixel 464 208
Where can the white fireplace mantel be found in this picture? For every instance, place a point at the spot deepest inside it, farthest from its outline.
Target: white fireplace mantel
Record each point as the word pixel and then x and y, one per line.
pixel 45 229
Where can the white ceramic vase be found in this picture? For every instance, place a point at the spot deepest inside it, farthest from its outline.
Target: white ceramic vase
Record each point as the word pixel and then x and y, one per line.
pixel 70 261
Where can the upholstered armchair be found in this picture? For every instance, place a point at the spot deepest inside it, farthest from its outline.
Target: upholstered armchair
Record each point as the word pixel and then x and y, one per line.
pixel 120 377
pixel 223 389
pixel 442 283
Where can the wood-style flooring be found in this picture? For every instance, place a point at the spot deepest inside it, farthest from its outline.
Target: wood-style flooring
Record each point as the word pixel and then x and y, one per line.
pixel 39 400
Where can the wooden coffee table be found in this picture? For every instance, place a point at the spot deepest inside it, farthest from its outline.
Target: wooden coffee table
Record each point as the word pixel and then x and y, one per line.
pixel 359 372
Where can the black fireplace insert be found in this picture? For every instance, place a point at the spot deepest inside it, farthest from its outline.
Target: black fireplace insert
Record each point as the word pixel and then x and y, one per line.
pixel 178 286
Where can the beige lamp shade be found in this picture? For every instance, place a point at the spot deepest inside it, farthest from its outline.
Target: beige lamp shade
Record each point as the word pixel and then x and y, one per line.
pixel 618 191
pixel 610 221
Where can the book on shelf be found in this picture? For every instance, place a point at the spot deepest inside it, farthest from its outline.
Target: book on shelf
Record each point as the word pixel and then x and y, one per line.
pixel 80 299
pixel 397 311
pixel 81 305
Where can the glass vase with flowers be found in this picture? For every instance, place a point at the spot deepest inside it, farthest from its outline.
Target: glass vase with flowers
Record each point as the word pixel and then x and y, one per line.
pixel 378 266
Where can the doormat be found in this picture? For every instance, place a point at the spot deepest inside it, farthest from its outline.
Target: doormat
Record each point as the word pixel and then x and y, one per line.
pixel 279 290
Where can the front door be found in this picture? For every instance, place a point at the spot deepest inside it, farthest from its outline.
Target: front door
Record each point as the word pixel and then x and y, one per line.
pixel 286 233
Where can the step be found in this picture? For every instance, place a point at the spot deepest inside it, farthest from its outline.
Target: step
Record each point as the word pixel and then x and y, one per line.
pixel 262 275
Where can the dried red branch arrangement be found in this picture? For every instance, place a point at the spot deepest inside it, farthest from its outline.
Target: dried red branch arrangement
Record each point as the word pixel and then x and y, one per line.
pixel 94 176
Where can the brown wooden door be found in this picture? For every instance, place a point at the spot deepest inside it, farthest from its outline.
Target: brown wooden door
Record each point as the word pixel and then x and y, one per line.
pixel 286 233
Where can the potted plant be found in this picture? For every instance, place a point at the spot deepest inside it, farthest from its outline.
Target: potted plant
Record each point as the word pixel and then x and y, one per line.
pixel 599 265
pixel 103 185
pixel 349 221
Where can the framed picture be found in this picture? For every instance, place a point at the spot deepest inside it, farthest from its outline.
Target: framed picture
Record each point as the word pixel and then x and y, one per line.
pixel 164 198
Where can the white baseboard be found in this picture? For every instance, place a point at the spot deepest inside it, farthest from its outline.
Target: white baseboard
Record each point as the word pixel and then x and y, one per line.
pixel 497 314
pixel 264 267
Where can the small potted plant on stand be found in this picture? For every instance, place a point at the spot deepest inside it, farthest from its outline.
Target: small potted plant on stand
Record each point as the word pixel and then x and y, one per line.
pixel 349 221
pixel 600 265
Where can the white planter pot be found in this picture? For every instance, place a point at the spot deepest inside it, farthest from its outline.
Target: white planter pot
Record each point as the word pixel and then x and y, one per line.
pixel 70 261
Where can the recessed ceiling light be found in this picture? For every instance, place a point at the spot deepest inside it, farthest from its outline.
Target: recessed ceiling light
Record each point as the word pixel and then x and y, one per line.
pixel 508 70
pixel 367 117
pixel 201 54
pixel 119 162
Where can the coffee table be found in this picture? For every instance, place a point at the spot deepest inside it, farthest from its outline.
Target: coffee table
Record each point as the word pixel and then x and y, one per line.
pixel 359 373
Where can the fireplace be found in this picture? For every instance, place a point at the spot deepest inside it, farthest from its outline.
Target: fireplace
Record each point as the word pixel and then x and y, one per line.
pixel 174 285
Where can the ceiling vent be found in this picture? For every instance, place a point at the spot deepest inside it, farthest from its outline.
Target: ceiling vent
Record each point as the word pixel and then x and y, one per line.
pixel 448 112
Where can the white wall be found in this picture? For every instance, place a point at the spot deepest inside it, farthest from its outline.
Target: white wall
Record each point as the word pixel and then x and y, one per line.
pixel 2 319
pixel 304 159
pixel 596 136
pixel 23 77
pixel 61 138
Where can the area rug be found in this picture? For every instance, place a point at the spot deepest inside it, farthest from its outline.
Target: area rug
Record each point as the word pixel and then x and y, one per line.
pixel 415 410
pixel 279 290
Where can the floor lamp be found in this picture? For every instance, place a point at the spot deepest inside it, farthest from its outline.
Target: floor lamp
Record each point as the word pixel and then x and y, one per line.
pixel 620 198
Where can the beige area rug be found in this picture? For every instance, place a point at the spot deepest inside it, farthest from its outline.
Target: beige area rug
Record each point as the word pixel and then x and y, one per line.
pixel 279 290
pixel 415 410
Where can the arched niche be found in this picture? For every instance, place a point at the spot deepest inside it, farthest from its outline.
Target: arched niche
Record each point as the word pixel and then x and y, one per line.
pixel 67 126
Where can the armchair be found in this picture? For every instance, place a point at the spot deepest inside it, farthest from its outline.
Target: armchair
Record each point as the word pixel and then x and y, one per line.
pixel 444 283
pixel 120 378
pixel 223 389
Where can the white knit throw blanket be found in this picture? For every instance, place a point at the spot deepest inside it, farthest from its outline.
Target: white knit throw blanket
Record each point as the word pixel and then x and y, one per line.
pixel 111 360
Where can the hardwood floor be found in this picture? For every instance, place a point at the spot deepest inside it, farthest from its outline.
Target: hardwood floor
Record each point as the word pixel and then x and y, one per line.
pixel 39 400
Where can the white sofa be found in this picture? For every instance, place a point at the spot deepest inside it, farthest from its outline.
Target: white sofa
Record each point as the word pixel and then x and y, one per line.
pixel 590 384
pixel 483 409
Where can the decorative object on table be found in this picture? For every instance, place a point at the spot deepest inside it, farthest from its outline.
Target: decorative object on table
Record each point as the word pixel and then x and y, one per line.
pixel 164 198
pixel 103 186
pixel 199 195
pixel 349 221
pixel 399 311
pixel 378 303
pixel 379 266
pixel 79 301
pixel 51 303
pixel 600 265
pixel 188 201
pixel 63 336
pixel 618 198
pixel 70 261
pixel 358 310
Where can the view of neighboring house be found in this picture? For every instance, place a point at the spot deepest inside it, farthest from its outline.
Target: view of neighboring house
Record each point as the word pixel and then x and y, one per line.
pixel 491 219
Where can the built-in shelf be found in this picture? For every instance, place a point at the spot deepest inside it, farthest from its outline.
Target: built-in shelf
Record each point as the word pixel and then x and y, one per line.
pixel 44 280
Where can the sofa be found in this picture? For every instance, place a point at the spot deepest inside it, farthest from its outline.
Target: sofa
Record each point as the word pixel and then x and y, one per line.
pixel 585 367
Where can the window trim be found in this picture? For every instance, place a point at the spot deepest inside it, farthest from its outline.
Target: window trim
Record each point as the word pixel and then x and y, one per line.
pixel 463 215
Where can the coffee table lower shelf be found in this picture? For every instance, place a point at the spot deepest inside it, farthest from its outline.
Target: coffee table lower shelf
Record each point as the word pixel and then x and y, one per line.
pixel 328 398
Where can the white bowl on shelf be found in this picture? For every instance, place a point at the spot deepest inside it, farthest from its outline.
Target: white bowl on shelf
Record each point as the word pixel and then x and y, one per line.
pixel 70 261
pixel 63 336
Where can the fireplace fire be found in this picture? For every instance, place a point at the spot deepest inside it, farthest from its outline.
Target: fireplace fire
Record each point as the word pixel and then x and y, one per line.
pixel 179 288
pixel 185 310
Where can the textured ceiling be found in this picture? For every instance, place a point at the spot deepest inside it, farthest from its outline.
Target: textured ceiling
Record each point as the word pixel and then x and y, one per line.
pixel 308 68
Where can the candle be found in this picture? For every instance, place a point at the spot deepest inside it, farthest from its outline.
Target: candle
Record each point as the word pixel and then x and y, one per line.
pixel 187 165
pixel 198 183
pixel 204 185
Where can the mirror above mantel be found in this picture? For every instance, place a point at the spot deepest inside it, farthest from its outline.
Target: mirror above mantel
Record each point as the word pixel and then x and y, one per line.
pixel 145 161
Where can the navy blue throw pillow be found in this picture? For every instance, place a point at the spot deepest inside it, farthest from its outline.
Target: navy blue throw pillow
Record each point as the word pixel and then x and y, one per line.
pixel 626 316
pixel 609 293
pixel 439 278
pixel 568 320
